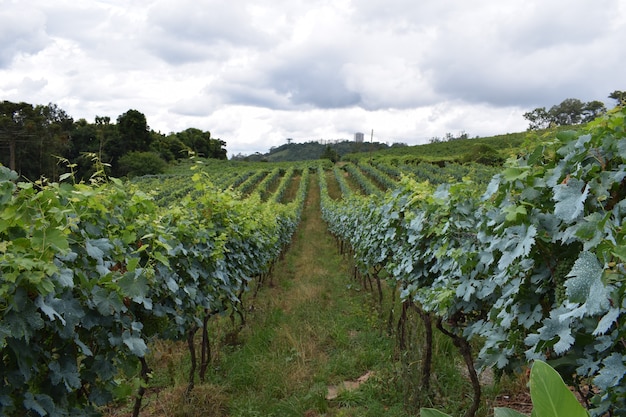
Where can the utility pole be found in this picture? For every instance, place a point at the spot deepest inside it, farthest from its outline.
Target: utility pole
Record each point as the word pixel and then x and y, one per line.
pixel 371 144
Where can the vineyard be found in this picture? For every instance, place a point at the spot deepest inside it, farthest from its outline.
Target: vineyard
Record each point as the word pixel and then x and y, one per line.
pixel 513 264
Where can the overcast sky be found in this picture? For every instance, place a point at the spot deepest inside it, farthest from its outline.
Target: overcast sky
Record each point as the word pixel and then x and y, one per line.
pixel 255 73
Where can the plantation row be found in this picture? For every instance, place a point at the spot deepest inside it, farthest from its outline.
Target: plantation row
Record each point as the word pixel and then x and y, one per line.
pixel 376 178
pixel 529 267
pixel 90 273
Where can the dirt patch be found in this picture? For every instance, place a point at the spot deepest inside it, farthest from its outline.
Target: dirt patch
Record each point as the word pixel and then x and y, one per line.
pixel 335 390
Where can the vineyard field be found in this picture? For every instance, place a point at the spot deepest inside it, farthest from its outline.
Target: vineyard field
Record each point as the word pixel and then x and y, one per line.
pixel 508 262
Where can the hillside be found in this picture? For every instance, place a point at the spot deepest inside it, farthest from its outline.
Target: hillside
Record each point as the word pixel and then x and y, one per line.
pixel 490 150
pixel 310 151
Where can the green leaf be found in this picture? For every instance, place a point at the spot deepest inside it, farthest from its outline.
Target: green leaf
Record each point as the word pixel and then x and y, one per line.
pixel 613 371
pixel 161 258
pixel 48 310
pixel 570 199
pixel 136 344
pixel 585 284
pixel 57 239
pixel 513 211
pixel 550 395
pixel 431 412
pixel 65 371
pixel 132 263
pixel 516 173
pixel 506 412
pixel 133 286
pixel 607 321
pixel 40 403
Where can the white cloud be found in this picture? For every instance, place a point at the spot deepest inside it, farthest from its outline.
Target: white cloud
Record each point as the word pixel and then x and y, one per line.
pixel 256 73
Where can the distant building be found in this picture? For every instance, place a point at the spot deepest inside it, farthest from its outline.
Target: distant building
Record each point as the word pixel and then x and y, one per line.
pixel 359 137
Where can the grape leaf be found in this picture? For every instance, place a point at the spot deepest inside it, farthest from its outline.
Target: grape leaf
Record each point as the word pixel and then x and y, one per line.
pixel 570 199
pixel 606 322
pixel 613 371
pixel 136 344
pixel 585 284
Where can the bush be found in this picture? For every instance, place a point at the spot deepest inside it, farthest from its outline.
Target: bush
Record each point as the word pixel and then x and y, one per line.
pixel 135 164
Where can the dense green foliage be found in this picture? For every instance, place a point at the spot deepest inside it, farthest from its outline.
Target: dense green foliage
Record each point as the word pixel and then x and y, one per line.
pixel 89 273
pixel 525 264
pixel 34 138
pixel 532 267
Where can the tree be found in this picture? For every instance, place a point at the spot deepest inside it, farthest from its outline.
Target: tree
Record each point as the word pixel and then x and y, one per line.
pixel 569 112
pixel 131 134
pixel 168 147
pixel 200 143
pixel 538 118
pixel 15 128
pixel 34 137
pixel 217 149
pixel 54 140
pixel 619 96
pixel 592 110
pixel 330 153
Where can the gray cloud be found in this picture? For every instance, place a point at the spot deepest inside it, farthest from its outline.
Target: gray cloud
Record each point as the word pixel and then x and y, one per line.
pixel 21 32
pixel 255 72
pixel 535 53
pixel 191 31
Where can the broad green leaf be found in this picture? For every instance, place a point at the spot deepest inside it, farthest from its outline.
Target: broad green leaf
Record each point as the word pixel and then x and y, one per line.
pixel 161 258
pixel 132 263
pixel 57 239
pixel 133 286
pixel 613 371
pixel 506 412
pixel 65 176
pixel 40 403
pixel 516 173
pixel 65 277
pixel 431 412
pixel 550 395
pixel 136 344
pixel 512 212
pixel 65 371
pixel 585 284
pixel 607 321
pixel 570 199
pixel 48 310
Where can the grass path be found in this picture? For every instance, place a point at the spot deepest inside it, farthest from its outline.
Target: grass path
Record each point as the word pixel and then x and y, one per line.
pixel 307 334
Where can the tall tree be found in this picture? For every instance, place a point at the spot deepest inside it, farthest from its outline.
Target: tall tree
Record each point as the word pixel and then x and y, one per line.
pixel 592 110
pixel 34 137
pixel 619 96
pixel 568 112
pixel 132 135
pixel 54 139
pixel 201 143
pixel 15 128
pixel 217 149
pixel 538 118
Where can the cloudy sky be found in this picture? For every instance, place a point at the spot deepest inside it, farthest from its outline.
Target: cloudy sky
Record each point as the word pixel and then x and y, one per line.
pixel 254 73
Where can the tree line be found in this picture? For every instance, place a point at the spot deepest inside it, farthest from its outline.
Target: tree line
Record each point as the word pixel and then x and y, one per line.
pixel 570 111
pixel 44 141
